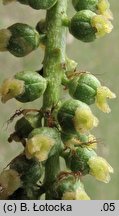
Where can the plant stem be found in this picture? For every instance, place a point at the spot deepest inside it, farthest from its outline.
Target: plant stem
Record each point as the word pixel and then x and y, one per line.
pixel 54 62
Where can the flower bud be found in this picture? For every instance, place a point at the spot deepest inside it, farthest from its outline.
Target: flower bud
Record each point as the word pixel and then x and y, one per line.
pixel 101 7
pixel 26 86
pixel 88 89
pixel 84 87
pixel 68 187
pixel 36 4
pixel 29 170
pixel 9 183
pixel 77 160
pixel 43 143
pixel 26 124
pixel 42 4
pixel 86 26
pixel 100 169
pixel 85 160
pixel 19 39
pixel 76 116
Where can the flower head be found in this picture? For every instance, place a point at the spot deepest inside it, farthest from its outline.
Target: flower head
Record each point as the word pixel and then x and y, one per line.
pixel 102 94
pixel 100 168
pixel 102 25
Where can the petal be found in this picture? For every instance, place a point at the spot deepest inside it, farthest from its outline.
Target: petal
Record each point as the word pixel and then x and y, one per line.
pixel 39 146
pixel 102 25
pixel 84 119
pixel 100 168
pixel 11 88
pixel 102 94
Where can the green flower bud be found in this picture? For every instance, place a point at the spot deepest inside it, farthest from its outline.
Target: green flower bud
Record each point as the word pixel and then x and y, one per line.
pixel 88 89
pixel 26 124
pixel 43 143
pixel 98 6
pixel 84 88
pixel 30 171
pixel 68 188
pixel 87 26
pixel 36 4
pixel 9 183
pixel 86 161
pixel 78 160
pixel 26 86
pixel 76 116
pixel 42 4
pixel 19 39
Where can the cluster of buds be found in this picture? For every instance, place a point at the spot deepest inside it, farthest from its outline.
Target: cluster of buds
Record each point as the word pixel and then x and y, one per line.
pixel 63 130
pixel 92 19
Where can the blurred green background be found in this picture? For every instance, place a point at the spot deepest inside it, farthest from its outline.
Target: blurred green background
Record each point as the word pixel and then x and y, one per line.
pixel 101 58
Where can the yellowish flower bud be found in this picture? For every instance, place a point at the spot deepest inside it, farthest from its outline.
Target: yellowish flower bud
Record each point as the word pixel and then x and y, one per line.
pixel 102 25
pixel 11 88
pixel 39 147
pixel 102 94
pixel 100 168
pixel 84 119
pixel 9 183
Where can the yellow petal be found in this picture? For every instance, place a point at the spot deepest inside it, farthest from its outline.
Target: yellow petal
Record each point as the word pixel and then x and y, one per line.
pixel 84 119
pixel 108 14
pixel 100 168
pixel 103 5
pixel 11 88
pixel 39 146
pixel 102 94
pixel 102 25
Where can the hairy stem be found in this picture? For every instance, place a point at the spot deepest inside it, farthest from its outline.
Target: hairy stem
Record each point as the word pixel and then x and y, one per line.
pixel 54 61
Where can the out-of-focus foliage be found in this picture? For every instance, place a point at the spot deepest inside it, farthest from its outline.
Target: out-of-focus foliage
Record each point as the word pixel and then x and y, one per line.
pixel 100 58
